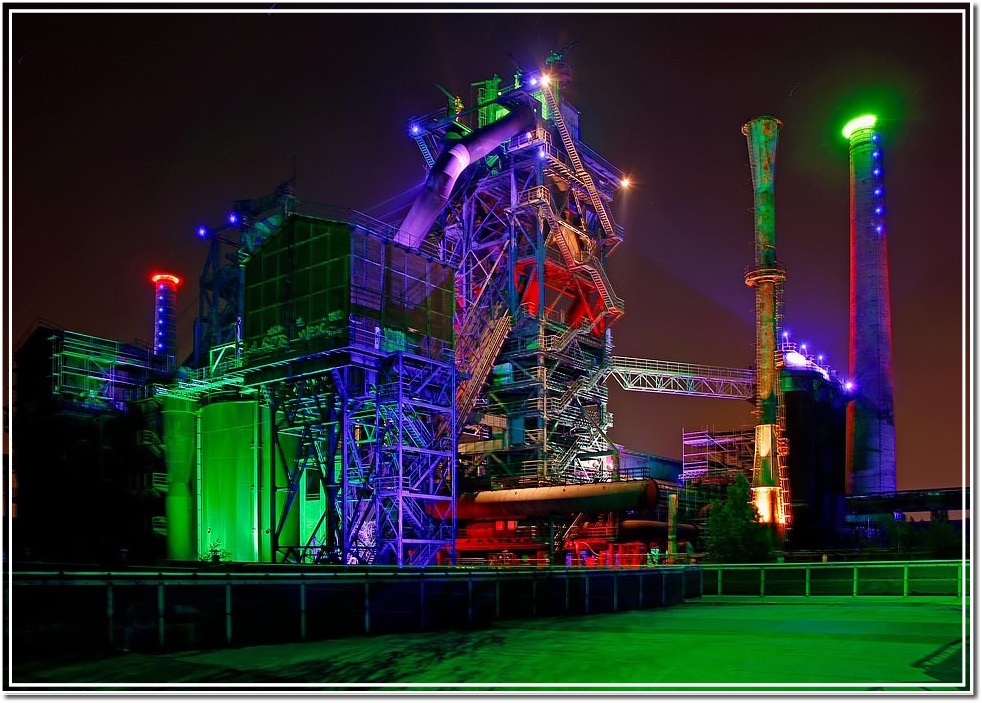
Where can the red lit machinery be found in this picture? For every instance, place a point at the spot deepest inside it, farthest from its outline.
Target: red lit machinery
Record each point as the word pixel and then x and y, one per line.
pixel 614 524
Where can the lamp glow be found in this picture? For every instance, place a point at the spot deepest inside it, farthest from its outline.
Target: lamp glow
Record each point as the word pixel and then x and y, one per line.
pixel 158 277
pixel 864 122
pixel 625 182
pixel 793 358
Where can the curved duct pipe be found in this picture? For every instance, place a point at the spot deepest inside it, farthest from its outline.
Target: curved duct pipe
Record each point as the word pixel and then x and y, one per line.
pixel 553 501
pixel 448 166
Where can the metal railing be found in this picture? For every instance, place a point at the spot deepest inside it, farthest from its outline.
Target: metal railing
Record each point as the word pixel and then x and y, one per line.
pixel 853 579
pixel 682 379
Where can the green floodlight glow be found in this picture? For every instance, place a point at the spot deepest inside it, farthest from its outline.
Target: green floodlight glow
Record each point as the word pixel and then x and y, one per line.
pixel 864 122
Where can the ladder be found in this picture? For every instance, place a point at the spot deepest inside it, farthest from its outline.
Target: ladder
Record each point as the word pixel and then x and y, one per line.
pixel 564 236
pixel 476 362
pixel 425 149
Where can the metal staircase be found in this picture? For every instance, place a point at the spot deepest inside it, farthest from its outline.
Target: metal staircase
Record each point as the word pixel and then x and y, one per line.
pixel 559 342
pixel 476 353
pixel 584 384
pixel 565 237
pixel 574 158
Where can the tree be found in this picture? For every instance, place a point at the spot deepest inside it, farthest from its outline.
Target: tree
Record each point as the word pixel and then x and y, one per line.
pixel 734 531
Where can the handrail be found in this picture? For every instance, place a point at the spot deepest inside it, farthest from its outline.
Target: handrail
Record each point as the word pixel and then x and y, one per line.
pixel 682 379
pixel 681 368
pixel 577 163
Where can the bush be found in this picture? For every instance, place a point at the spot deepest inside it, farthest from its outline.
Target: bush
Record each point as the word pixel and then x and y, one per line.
pixel 734 533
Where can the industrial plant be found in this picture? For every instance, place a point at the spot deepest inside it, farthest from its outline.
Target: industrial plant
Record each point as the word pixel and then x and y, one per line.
pixel 432 389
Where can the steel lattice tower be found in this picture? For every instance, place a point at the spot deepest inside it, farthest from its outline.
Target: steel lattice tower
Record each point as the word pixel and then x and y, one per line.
pixel 871 439
pixel 534 304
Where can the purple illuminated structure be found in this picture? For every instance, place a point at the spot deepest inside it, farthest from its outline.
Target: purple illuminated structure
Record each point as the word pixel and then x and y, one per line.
pixel 871 439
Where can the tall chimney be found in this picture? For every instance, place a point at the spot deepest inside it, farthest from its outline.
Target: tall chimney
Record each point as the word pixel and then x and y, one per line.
pixel 871 437
pixel 165 319
pixel 766 276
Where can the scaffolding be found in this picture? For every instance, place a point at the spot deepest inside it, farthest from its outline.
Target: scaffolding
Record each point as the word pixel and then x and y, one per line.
pixel 96 373
pixel 711 461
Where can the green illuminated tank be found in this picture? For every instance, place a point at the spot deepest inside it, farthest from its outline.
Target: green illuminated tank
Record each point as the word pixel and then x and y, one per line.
pixel 180 428
pixel 228 490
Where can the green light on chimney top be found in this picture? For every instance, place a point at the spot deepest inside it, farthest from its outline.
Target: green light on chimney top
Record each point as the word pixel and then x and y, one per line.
pixel 864 122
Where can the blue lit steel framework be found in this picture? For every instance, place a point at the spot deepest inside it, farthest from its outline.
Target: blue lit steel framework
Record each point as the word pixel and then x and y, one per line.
pixel 531 222
pixel 414 483
pixel 353 444
pixel 221 287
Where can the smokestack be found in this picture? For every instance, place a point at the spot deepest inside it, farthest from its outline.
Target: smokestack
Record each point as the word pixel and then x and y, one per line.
pixel 766 276
pixel 165 319
pixel 871 437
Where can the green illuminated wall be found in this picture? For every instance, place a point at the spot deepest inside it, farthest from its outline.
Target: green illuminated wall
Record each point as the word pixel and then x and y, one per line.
pixel 228 495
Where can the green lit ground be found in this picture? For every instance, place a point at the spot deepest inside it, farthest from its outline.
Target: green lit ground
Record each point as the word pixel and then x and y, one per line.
pixel 867 643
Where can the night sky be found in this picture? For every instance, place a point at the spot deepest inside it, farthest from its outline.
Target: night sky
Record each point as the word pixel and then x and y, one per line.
pixel 127 131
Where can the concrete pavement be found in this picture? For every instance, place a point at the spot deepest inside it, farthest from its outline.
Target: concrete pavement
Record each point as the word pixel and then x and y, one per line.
pixel 718 643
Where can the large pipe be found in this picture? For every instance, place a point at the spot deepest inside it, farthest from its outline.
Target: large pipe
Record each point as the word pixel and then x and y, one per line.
pixel 767 278
pixel 651 530
pixel 553 501
pixel 451 162
pixel 871 465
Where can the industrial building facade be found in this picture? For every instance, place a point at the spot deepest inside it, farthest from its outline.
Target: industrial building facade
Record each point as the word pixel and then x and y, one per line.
pixel 433 390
